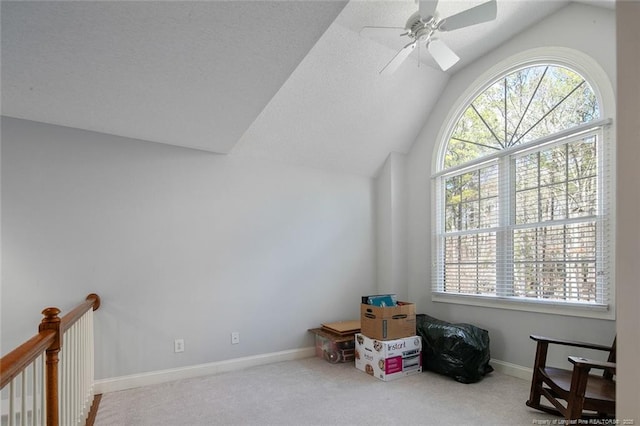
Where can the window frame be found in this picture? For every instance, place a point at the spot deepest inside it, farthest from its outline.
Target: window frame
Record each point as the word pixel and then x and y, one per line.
pixel 601 85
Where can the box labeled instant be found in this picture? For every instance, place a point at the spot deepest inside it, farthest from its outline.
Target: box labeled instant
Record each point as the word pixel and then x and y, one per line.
pixel 388 323
pixel 389 359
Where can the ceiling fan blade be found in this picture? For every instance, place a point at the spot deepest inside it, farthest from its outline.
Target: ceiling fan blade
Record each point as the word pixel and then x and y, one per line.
pixel 427 8
pixel 444 56
pixel 397 60
pixel 476 15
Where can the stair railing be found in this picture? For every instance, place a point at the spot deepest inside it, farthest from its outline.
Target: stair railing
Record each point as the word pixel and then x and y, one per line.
pixel 48 380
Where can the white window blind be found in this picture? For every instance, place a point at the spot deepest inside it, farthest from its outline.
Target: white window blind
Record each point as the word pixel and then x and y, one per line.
pixel 524 189
pixel 530 225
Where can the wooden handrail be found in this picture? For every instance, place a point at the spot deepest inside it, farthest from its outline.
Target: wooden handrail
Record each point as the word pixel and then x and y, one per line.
pixel 91 301
pixel 48 340
pixel 15 361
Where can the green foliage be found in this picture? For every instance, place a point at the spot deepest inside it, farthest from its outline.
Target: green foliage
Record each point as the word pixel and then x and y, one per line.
pixel 528 104
pixel 550 260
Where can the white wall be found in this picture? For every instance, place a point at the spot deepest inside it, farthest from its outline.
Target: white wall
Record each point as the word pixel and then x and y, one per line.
pixel 182 243
pixel 628 238
pixel 391 226
pixel 585 28
pixel 178 243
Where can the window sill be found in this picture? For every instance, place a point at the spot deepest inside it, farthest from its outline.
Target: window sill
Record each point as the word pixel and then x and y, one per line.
pixel 543 307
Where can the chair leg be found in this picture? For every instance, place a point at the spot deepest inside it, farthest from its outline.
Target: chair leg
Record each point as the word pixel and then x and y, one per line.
pixel 536 380
pixel 575 401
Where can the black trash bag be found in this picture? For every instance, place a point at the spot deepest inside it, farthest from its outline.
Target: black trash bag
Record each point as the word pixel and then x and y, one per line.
pixel 460 351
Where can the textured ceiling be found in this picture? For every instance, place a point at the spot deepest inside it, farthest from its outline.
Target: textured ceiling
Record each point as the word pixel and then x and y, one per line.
pixel 287 81
pixel 188 73
pixel 336 111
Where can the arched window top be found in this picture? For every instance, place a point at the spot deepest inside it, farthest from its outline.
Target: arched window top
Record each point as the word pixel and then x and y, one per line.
pixel 521 106
pixel 523 188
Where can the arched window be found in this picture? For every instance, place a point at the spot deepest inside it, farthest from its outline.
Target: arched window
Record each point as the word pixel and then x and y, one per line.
pixel 523 191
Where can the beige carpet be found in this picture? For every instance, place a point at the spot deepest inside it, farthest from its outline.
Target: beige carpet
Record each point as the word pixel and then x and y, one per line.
pixel 313 392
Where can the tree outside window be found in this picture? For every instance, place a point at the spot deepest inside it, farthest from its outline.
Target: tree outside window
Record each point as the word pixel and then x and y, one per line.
pixel 521 208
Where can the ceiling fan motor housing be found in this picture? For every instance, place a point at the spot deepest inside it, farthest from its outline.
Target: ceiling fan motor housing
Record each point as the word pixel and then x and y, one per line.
pixel 421 30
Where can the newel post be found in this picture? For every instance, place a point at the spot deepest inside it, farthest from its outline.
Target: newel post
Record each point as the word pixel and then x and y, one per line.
pixel 51 321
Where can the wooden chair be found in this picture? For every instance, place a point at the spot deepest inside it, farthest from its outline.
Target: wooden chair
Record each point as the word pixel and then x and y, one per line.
pixel 575 394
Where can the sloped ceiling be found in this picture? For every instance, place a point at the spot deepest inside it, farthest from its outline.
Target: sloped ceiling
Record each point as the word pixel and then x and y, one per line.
pixel 194 74
pixel 288 81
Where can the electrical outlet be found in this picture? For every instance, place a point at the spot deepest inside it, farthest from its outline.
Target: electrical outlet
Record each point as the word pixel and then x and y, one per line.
pixel 178 345
pixel 235 338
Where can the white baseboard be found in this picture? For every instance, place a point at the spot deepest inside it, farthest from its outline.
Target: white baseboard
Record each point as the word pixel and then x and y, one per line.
pixel 162 376
pixel 512 369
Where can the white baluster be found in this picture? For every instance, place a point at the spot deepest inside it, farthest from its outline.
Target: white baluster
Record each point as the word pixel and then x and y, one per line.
pixel 12 396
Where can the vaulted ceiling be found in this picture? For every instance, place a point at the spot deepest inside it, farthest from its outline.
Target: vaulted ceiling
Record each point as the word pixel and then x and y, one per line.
pixel 288 81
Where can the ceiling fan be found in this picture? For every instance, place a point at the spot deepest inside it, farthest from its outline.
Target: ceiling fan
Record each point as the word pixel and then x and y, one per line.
pixel 422 26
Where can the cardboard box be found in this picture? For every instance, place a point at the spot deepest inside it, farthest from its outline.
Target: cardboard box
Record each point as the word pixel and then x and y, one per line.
pixel 389 359
pixel 388 323
pixel 343 328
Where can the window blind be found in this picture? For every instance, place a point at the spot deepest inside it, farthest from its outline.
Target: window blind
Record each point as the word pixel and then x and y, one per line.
pixel 531 225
